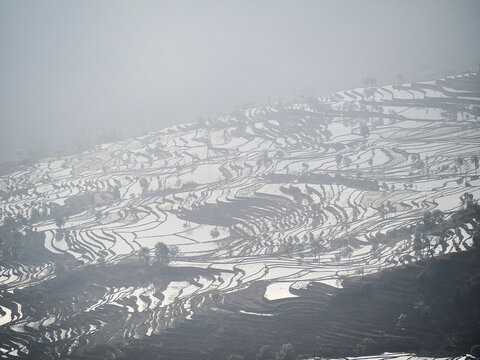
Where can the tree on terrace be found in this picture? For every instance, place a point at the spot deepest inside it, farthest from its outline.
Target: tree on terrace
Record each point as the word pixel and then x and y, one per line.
pixel 338 159
pixel 347 162
pixel 370 81
pixel 459 161
pixel 467 200
pixel 60 221
pixel 144 252
pixel 474 160
pixel 116 193
pixel 161 253
pixel 430 219
pixel 364 131
pixel 144 185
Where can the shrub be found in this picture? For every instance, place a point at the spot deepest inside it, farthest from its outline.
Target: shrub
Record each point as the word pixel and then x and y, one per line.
pixel 476 239
pixel 366 346
pixel 285 353
pixel 266 353
pixel 235 357
pixel 475 351
pixel 214 233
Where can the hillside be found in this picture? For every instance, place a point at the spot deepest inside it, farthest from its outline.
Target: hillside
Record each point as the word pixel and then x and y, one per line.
pixel 264 212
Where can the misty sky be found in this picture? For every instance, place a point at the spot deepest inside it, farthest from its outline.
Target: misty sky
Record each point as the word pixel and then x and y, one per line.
pixel 68 67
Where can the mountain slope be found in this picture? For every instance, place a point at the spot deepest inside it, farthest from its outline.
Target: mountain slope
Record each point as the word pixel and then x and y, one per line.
pixel 286 195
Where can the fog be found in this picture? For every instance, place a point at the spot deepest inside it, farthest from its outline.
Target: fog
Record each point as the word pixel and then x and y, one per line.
pixel 70 69
pixel 333 227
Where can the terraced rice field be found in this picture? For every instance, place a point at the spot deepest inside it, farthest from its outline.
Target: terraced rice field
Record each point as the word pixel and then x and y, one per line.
pixel 284 197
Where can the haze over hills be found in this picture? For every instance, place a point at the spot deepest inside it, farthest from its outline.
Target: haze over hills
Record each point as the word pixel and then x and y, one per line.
pixel 253 220
pixel 72 71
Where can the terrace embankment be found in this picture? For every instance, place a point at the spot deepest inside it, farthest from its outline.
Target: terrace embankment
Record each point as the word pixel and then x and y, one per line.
pixel 252 203
pixel 92 297
pixel 430 307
